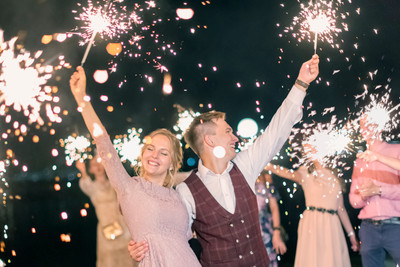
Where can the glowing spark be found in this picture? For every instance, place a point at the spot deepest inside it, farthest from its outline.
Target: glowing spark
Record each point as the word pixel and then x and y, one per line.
pixel 151 4
pixel 135 38
pixel 160 67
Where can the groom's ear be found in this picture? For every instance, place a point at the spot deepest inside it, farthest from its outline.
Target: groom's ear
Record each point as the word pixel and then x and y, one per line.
pixel 208 140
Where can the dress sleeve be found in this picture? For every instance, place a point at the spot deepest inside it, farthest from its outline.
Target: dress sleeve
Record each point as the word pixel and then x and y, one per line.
pixel 116 172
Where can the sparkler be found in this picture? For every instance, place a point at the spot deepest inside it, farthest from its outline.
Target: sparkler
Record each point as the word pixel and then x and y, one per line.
pixel 105 20
pixel 328 143
pixel 76 148
pixel 129 146
pixel 23 82
pixel 380 112
pixel 186 117
pixel 318 25
pixel 98 23
pixel 323 19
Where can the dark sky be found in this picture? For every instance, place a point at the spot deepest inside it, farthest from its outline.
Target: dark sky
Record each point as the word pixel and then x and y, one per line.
pixel 240 39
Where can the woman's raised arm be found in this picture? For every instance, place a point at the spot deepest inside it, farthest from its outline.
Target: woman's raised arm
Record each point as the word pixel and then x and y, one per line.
pixel 109 156
pixel 283 172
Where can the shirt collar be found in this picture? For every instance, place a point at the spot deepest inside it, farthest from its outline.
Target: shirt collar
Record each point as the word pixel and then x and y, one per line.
pixel 203 172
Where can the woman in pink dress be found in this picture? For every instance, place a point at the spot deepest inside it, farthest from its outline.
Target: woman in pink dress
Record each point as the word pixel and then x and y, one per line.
pixel 152 209
pixel 112 233
pixel 321 241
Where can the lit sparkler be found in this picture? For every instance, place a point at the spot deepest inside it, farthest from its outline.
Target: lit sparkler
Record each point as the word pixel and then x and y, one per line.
pixel 322 19
pixel 107 21
pixel 380 112
pixel 23 82
pixel 76 148
pixel 129 145
pixel 328 143
pixel 186 117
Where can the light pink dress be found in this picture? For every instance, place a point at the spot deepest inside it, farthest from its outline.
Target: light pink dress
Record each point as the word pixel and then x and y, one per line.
pixel 321 240
pixel 152 212
pixel 110 253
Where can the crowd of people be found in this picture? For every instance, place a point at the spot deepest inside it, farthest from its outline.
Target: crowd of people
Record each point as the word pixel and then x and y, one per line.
pixel 228 203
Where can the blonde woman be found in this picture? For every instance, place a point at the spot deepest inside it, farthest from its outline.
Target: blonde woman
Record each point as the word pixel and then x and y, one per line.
pixel 151 207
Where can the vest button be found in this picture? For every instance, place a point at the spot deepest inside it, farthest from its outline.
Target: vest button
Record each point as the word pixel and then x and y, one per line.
pixel 242 221
pixel 237 240
pixel 240 256
pixel 251 252
pixel 231 225
pixel 247 236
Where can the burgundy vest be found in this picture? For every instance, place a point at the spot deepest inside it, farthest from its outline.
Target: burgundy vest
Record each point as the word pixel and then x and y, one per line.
pixel 229 240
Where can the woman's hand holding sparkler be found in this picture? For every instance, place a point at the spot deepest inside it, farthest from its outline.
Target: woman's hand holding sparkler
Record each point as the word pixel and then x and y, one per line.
pixel 78 84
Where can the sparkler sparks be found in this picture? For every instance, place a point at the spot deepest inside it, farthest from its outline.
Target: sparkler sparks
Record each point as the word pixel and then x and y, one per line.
pixel 328 143
pixel 185 119
pixel 129 145
pixel 23 82
pixel 108 20
pixel 322 19
pixel 380 112
pixel 76 148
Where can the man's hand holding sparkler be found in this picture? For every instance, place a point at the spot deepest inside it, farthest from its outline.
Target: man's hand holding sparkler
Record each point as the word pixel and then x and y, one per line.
pixel 308 72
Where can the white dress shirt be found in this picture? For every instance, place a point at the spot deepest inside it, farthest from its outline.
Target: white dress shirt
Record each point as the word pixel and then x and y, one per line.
pixel 251 161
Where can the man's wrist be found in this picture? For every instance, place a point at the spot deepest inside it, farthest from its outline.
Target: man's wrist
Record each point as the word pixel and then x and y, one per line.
pixel 301 84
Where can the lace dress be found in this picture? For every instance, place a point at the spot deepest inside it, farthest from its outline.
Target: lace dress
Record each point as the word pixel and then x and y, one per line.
pixel 152 212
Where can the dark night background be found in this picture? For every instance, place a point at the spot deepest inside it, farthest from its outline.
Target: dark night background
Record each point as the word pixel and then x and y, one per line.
pixel 240 38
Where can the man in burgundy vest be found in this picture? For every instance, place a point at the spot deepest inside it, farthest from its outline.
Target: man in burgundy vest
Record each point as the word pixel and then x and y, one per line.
pixel 220 194
pixel 233 239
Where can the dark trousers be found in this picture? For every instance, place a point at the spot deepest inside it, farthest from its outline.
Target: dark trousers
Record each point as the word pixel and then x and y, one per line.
pixel 376 239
